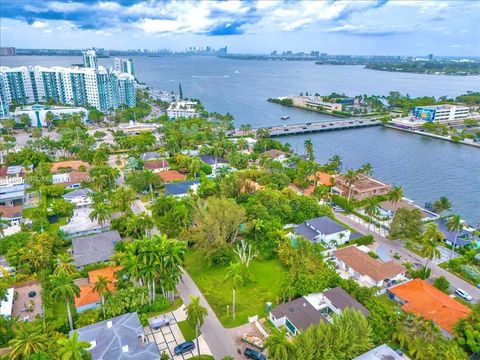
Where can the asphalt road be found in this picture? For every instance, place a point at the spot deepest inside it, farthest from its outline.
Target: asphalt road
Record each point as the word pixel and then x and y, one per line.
pixel 217 337
pixel 396 246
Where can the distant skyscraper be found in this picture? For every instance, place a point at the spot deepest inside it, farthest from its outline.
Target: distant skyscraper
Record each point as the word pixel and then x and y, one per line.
pixel 124 65
pixel 430 56
pixel 90 59
pixel 315 53
pixel 7 51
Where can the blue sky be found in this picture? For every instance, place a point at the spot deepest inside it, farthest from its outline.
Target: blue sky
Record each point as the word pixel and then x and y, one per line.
pixel 390 27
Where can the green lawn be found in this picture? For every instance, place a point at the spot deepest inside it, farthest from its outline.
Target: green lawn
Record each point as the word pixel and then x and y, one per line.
pixel 250 299
pixel 202 357
pixel 187 331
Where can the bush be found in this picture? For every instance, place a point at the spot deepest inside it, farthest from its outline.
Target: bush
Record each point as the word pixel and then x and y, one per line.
pixel 442 284
pixel 364 240
pixel 159 304
pixel 372 254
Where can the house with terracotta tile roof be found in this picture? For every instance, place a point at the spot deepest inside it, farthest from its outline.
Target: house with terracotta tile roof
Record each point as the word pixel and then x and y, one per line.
pixel 156 165
pixel 366 270
pixel 322 178
pixel 420 298
pixel 306 191
pixel 171 176
pixel 88 297
pixel 364 187
pixel 70 165
pixel 11 213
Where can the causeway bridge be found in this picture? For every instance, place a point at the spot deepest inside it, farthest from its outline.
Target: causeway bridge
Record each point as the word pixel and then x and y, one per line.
pixel 312 127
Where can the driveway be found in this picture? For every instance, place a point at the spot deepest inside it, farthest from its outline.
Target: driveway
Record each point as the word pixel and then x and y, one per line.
pixel 216 336
pixel 396 246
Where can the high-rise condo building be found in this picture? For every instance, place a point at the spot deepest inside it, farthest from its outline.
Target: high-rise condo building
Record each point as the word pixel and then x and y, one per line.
pixel 124 65
pixel 98 87
pixel 90 59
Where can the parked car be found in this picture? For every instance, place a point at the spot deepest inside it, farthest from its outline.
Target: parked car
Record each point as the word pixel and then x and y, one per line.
pixel 157 323
pixel 463 294
pixel 254 354
pixel 184 347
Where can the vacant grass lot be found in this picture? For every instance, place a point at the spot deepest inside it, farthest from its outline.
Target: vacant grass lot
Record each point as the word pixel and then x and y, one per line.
pixel 250 299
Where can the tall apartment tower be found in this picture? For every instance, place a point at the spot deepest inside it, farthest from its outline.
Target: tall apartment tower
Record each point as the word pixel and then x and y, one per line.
pixel 90 59
pixel 124 66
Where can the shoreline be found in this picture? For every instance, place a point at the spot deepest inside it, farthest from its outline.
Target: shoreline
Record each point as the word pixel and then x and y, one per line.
pixel 312 110
pixel 440 137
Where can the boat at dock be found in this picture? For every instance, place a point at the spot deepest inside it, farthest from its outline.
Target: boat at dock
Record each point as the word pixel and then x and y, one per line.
pixel 285 117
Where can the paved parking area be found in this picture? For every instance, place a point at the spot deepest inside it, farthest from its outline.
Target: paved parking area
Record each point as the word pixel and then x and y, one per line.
pixel 444 255
pixel 167 337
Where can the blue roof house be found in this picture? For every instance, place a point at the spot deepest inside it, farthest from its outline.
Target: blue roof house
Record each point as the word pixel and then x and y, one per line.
pixel 323 230
pixel 181 189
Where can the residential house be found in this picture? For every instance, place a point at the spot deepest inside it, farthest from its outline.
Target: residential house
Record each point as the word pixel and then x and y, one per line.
pixel 71 180
pixel 183 109
pixel 323 230
pixel 388 208
pixel 299 314
pixel 6 304
pixel 464 237
pixel 382 352
pixel 11 213
pixel 306 191
pixel 180 189
pixel 321 178
pixel 156 165
pixel 118 338
pixel 79 197
pixel 215 162
pixel 171 176
pixel 276 155
pixel 13 186
pixel 153 155
pixel 94 248
pixel 367 270
pixel 88 297
pixel 420 298
pixel 363 188
pixel 81 225
pixel 69 165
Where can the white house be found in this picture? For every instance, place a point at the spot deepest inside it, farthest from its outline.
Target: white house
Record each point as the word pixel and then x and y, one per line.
pixel 185 109
pixel 80 197
pixel 7 305
pixel 367 271
pixel 323 230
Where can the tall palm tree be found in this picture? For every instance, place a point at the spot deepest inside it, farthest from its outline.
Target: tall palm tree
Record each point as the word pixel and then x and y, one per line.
pixel 431 237
pixel 29 339
pixel 454 224
pixel 442 204
pixel 309 149
pixel 371 209
pixel 196 314
pixel 138 226
pixel 122 198
pixel 366 169
pixel 235 273
pixel 101 287
pixel 64 288
pixel 101 212
pixel 64 262
pixel 73 349
pixel 278 345
pixel 396 195
pixel 195 166
pixel 351 177
pixel 152 180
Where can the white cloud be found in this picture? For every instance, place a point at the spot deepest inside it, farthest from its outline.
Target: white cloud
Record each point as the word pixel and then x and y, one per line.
pixel 39 24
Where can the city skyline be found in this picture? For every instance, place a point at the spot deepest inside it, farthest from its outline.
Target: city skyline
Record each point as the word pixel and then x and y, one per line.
pixel 446 28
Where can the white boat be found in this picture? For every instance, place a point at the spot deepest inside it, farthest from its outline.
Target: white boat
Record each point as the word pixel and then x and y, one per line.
pixel 285 117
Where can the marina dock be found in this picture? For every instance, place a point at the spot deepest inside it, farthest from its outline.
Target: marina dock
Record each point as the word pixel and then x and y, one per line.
pixel 311 127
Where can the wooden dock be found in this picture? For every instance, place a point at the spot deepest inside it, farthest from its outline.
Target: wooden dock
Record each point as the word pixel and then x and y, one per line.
pixel 311 127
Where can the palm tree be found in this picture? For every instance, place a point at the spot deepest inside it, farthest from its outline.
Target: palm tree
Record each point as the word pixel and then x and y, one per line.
pixel 396 195
pixel 123 198
pixel 100 212
pixel 431 237
pixel 152 180
pixel 64 288
pixel 351 177
pixel 195 166
pixel 29 339
pixel 65 264
pixel 309 149
pixel 73 349
pixel 235 273
pixel 139 225
pixel 101 287
pixel 454 224
pixel 263 133
pixel 278 345
pixel 366 169
pixel 196 314
pixel 442 205
pixel 371 209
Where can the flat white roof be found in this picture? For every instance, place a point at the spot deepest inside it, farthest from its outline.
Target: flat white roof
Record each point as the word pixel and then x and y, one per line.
pixel 7 305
